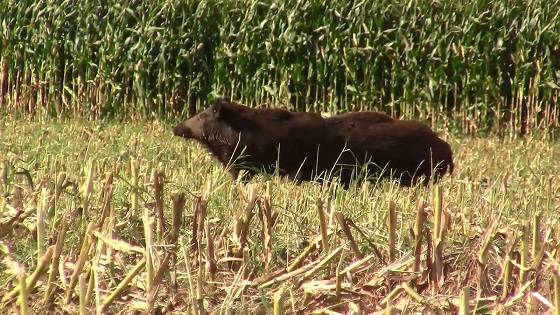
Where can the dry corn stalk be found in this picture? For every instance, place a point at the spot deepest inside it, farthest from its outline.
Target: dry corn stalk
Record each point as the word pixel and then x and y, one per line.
pixel 41 214
pixel 158 179
pixel 149 239
pixel 376 251
pixel 243 220
pixel 178 208
pixel 392 230
pixel 507 269
pixel 87 189
pixel 199 206
pixel 107 198
pixel 346 230
pixel 289 275
pixel 53 271
pixel 322 225
pixel 418 232
pixel 158 278
pixel 266 216
pixel 437 271
pixel 32 279
pixel 482 261
pixel 86 244
pixel 123 284
pixel 134 203
pixel 186 257
pixel 211 267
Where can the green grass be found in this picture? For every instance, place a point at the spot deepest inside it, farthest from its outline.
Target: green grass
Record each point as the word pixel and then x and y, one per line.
pixel 502 183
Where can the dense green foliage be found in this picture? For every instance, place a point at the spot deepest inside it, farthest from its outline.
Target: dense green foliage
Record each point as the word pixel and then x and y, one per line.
pixel 477 61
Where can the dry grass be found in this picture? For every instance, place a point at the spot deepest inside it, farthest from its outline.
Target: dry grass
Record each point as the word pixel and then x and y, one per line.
pixel 113 218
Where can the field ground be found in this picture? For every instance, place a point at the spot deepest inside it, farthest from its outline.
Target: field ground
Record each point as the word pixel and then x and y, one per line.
pixel 270 245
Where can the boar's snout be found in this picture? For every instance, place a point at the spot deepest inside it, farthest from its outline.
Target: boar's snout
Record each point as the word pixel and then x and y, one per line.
pixel 181 131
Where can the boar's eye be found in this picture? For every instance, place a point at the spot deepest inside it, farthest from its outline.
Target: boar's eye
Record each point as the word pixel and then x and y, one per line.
pixel 217 110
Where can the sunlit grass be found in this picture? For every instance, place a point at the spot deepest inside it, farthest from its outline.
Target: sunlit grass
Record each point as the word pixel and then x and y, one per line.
pixel 497 189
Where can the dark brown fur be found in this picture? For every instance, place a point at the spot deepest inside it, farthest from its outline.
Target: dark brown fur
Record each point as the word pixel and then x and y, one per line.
pixel 259 139
pixel 405 149
pixel 305 146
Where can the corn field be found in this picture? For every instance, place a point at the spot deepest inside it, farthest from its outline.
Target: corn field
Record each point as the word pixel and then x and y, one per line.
pixel 473 65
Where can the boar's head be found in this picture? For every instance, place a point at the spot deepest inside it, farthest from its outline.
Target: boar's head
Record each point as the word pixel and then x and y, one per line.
pixel 209 125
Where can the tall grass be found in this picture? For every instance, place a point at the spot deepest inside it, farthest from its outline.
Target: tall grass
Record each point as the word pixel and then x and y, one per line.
pixel 476 64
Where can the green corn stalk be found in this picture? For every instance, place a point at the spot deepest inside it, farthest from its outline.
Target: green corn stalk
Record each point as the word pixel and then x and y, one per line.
pixel 278 305
pixel 556 280
pixel 23 293
pixel 133 63
pixel 464 302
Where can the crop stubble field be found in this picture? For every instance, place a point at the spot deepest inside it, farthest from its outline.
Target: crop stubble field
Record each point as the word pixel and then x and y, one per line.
pixel 81 206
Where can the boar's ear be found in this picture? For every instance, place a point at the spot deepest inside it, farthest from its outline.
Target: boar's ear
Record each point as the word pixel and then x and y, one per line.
pixel 224 98
pixel 220 109
pixel 233 115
